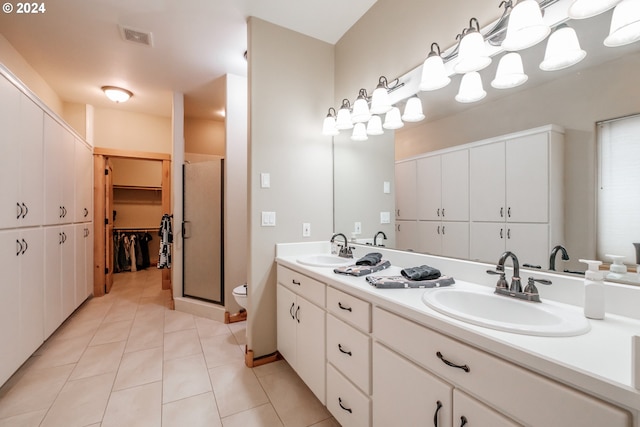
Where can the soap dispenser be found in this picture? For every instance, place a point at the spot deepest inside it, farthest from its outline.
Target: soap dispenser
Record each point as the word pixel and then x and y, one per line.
pixel 617 270
pixel 593 290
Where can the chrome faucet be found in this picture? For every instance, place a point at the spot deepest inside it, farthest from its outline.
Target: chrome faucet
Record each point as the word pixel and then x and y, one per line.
pixel 530 292
pixel 515 280
pixel 554 252
pixel 384 237
pixel 345 250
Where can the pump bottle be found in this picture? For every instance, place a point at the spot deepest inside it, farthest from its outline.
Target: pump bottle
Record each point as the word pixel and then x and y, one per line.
pixel 593 290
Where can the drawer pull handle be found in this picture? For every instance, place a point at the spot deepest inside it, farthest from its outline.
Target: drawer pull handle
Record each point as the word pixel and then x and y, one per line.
pixel 463 421
pixel 298 311
pixel 293 304
pixel 343 307
pixel 344 407
pixel 453 365
pixel 295 282
pixel 435 415
pixel 343 351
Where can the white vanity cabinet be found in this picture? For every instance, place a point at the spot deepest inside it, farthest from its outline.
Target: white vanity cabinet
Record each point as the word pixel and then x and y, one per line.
pixel 483 386
pixel 443 187
pixel 443 238
pixel 301 327
pixel 406 190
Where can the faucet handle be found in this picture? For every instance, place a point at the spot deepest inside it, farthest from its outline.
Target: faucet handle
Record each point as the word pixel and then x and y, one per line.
pixel 531 287
pixel 502 281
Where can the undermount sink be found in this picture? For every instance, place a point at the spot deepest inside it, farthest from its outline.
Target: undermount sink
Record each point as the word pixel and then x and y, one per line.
pixel 483 308
pixel 325 260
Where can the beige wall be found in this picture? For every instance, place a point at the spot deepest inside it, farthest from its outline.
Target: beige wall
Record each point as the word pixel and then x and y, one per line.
pixel 131 131
pixel 12 60
pixel 290 76
pixel 204 136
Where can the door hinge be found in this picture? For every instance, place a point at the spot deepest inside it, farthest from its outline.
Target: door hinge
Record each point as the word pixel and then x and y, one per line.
pixel 106 221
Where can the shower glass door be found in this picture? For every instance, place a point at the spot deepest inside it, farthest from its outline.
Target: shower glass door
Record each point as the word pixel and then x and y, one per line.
pixel 203 236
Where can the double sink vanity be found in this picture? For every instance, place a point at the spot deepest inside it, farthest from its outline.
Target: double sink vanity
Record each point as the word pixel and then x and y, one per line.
pixel 455 355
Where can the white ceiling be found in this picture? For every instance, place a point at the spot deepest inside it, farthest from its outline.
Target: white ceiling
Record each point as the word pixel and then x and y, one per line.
pixel 77 47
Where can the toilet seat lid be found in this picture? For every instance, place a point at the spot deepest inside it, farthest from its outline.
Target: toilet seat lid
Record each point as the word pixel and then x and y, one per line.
pixel 240 290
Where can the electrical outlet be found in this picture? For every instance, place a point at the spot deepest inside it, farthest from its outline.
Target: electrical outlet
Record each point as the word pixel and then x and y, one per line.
pixel 357 228
pixel 306 229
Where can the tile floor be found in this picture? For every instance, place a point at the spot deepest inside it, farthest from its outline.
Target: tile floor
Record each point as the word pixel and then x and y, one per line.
pixel 126 360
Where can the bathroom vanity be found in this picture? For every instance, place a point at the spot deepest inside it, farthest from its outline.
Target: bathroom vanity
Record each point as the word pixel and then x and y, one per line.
pixel 377 357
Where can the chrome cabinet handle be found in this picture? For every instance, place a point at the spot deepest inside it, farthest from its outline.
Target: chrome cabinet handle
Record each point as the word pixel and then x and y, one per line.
pixel 435 415
pixel 344 351
pixel 453 365
pixel 344 407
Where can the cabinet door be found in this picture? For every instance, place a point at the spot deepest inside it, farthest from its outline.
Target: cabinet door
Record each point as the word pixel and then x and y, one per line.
pixel 407 235
pixel 67 270
pixel 429 192
pixel 527 178
pixel 405 186
pixel 31 291
pixel 310 346
pixel 403 391
pixel 31 162
pixel 52 284
pixel 9 154
pixel 475 413
pixel 67 179
pixel 286 307
pixel 53 153
pixel 530 243
pixel 84 182
pixel 487 241
pixel 455 239
pixel 487 182
pixel 455 186
pixel 429 237
pixel 9 304
pixel 80 263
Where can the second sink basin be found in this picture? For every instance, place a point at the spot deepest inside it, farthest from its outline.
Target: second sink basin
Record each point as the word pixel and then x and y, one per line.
pixel 325 260
pixel 483 308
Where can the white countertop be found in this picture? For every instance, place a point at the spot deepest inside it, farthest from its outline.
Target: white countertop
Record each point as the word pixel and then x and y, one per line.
pixel 598 362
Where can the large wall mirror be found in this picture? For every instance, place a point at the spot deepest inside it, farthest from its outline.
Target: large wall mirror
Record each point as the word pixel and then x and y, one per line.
pixel 602 87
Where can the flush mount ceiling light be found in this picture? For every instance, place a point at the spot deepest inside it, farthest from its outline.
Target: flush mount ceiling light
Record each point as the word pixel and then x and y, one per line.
pixel 526 26
pixel 329 126
pixel 563 50
pixel 582 9
pixel 472 55
pixel 360 113
pixel 434 75
pixel 510 72
pixel 117 94
pixel 625 24
pixel 471 89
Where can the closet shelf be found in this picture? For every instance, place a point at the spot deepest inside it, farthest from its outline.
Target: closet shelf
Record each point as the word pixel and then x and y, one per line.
pixel 135 187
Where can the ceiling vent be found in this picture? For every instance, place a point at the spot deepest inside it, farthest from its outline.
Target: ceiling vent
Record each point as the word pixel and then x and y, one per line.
pixel 136 36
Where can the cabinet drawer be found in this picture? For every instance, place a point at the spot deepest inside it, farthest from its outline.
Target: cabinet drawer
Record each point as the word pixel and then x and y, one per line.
pixel 349 350
pixel 345 402
pixel 350 309
pixel 302 285
pixel 503 385
pixel 475 413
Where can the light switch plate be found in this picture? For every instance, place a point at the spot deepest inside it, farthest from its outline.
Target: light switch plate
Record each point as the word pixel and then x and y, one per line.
pixel 265 180
pixel 306 229
pixel 268 219
pixel 357 228
pixel 386 187
pixel 385 217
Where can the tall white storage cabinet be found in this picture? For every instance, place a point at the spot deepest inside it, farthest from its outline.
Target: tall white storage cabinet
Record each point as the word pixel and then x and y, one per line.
pixel 46 244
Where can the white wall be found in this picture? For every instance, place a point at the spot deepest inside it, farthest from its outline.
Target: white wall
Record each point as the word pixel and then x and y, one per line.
pixel 290 89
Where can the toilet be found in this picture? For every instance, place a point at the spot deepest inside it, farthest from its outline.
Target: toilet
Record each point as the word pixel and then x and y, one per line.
pixel 240 295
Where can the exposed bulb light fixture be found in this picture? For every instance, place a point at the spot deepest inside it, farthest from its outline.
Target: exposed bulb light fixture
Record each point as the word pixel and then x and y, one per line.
pixel 625 24
pixel 434 75
pixel 413 110
pixel 510 72
pixel 582 9
pixel 359 132
pixel 360 113
pixel 526 26
pixel 380 101
pixel 563 49
pixel 472 55
pixel 117 94
pixel 392 119
pixel 374 127
pixel 329 126
pixel 343 119
pixel 471 89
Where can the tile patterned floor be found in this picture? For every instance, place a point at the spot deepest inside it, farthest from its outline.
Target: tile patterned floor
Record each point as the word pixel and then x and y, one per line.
pixel 126 360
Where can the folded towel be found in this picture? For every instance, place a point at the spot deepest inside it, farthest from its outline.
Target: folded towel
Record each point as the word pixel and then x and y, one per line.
pixel 361 270
pixel 370 259
pixel 391 282
pixel 424 272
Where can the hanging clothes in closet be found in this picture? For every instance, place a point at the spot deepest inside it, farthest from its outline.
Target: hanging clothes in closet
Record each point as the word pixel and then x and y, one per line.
pixel 166 239
pixel 131 250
